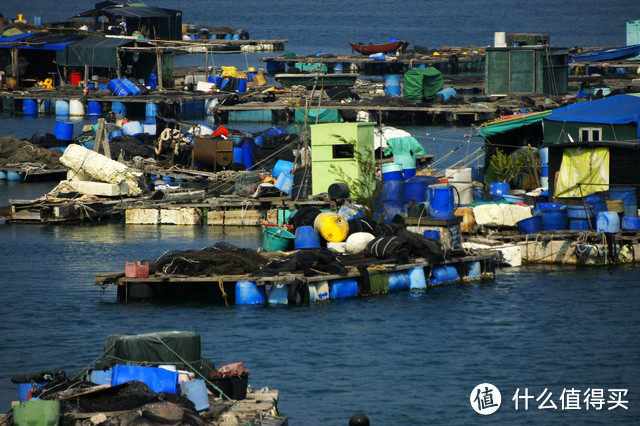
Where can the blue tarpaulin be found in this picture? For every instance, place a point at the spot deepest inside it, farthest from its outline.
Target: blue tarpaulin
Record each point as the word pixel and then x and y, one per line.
pixel 620 109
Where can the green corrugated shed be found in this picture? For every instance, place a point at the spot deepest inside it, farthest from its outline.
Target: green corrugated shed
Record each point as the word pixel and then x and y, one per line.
pixel 526 70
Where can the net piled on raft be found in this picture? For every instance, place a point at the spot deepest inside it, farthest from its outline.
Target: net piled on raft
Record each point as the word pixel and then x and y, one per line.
pixel 14 151
pixel 219 259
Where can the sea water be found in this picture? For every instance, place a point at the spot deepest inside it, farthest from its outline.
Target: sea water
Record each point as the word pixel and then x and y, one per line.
pixel 406 358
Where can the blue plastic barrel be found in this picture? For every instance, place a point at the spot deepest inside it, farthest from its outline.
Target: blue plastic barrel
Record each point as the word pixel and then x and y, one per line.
pixel 392 171
pixel 337 68
pixel 151 110
pixel 248 293
pixel 393 85
pixel 282 166
pixel 531 225
pixel 478 193
pixel 474 269
pixel 284 182
pixel 135 91
pixel 25 388
pixel 3 175
pixel 499 188
pixel 149 127
pixel 432 233
pixel 242 85
pixel 393 190
pixel 445 94
pixel 247 154
pixel 416 189
pixel 152 80
pixel 37 20
pixel 545 170
pixel 258 140
pixel 596 203
pixel 579 224
pixel 340 289
pixel 443 274
pixel 408 172
pixel 132 128
pixel 441 199
pixel 63 130
pixel 12 175
pixel 237 139
pixel 94 109
pixel 306 237
pixel 417 279
pixel 391 208
pixel 237 154
pixel 158 379
pixel 628 195
pixel 608 222
pixel 62 108
pixel 29 107
pixel 119 108
pixel 100 377
pixel 399 281
pixel 544 155
pixel 630 223
pixel 579 212
pixel 279 294
pixel 554 220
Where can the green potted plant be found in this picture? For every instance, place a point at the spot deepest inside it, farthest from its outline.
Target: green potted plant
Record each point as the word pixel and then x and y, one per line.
pixel 506 168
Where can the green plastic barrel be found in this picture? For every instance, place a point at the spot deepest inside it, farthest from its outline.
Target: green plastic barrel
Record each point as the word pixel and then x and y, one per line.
pixel 37 413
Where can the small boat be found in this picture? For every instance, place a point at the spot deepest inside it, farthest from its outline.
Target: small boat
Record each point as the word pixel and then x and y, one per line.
pixel 369 49
pixel 314 79
pixel 607 54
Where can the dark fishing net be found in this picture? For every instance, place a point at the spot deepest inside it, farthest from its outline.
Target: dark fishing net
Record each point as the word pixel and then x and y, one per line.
pixel 130 147
pixel 14 151
pixel 310 261
pixel 215 260
pixel 304 217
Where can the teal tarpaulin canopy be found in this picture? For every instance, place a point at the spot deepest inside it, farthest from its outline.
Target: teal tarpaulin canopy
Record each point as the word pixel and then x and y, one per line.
pixel 490 129
pixel 95 52
pixel 422 83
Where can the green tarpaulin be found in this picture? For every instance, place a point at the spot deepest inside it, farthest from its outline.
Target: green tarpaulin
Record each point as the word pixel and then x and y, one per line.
pixel 95 52
pixel 497 127
pixel 422 83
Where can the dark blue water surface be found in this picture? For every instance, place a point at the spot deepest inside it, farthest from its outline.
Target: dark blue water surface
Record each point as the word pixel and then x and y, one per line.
pixel 408 358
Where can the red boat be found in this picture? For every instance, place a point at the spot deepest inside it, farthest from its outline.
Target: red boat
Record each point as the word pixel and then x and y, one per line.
pixel 370 49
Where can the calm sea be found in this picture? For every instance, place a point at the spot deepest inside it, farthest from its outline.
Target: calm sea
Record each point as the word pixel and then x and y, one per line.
pixel 408 358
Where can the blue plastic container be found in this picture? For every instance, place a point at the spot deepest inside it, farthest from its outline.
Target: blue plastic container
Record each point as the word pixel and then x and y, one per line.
pixel 276 238
pixel 596 203
pixel 306 237
pixel 25 388
pixel 399 281
pixel 392 171
pixel 432 233
pixel 478 193
pixel 337 68
pixel 62 108
pixel 149 127
pixel 152 80
pixel 408 173
pixel 158 379
pixel 258 140
pixel 417 279
pixel 284 182
pixel 474 269
pixel 627 195
pixel 445 94
pixel 531 225
pixel 248 293
pixel 237 154
pixel 393 85
pixel 63 130
pixel 554 220
pixel 340 289
pixel 242 85
pixel 29 107
pixel 393 190
pixel 196 392
pixel 630 223
pixel 545 170
pixel 441 199
pixel 579 224
pixel 94 109
pixel 544 156
pixel 101 377
pixel 3 175
pixel 542 206
pixel 579 212
pixel 282 166
pixel 247 154
pixel 132 128
pixel 416 190
pixel 391 208
pixel 279 294
pixel 443 274
pixel 119 108
pixel 131 86
pixel 151 110
pixel 608 222
pixel 13 176
pixel 499 188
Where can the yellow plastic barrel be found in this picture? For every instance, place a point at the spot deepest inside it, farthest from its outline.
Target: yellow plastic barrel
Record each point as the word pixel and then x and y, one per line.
pixel 333 227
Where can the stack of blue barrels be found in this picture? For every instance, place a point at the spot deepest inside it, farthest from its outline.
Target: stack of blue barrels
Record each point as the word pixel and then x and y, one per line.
pixel 629 217
pixel 544 160
pixel 392 190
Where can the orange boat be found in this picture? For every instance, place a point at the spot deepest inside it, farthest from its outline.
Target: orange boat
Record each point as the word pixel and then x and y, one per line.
pixel 370 49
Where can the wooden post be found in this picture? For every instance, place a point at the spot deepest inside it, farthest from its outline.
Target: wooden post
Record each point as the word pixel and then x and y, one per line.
pixel 102 139
pixel 15 68
pixel 86 75
pixel 159 65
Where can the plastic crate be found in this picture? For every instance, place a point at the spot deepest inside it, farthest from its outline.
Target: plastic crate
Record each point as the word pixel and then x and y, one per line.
pixel 137 269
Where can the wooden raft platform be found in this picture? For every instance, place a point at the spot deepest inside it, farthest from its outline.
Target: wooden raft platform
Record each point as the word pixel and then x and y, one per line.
pixel 222 287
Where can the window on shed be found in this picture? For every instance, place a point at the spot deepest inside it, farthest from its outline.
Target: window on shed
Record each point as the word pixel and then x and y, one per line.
pixel 590 134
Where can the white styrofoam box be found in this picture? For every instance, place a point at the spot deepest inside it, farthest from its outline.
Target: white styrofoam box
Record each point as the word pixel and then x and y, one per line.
pixel 500 214
pixel 99 188
pixel 459 174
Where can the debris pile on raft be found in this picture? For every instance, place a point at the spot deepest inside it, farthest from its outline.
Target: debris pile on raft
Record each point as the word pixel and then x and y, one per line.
pixel 16 152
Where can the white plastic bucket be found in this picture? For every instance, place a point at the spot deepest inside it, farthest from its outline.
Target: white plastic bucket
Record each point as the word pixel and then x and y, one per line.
pixel 132 128
pixel 76 108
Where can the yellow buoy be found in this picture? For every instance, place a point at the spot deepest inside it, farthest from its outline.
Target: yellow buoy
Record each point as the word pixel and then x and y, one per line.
pixel 333 227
